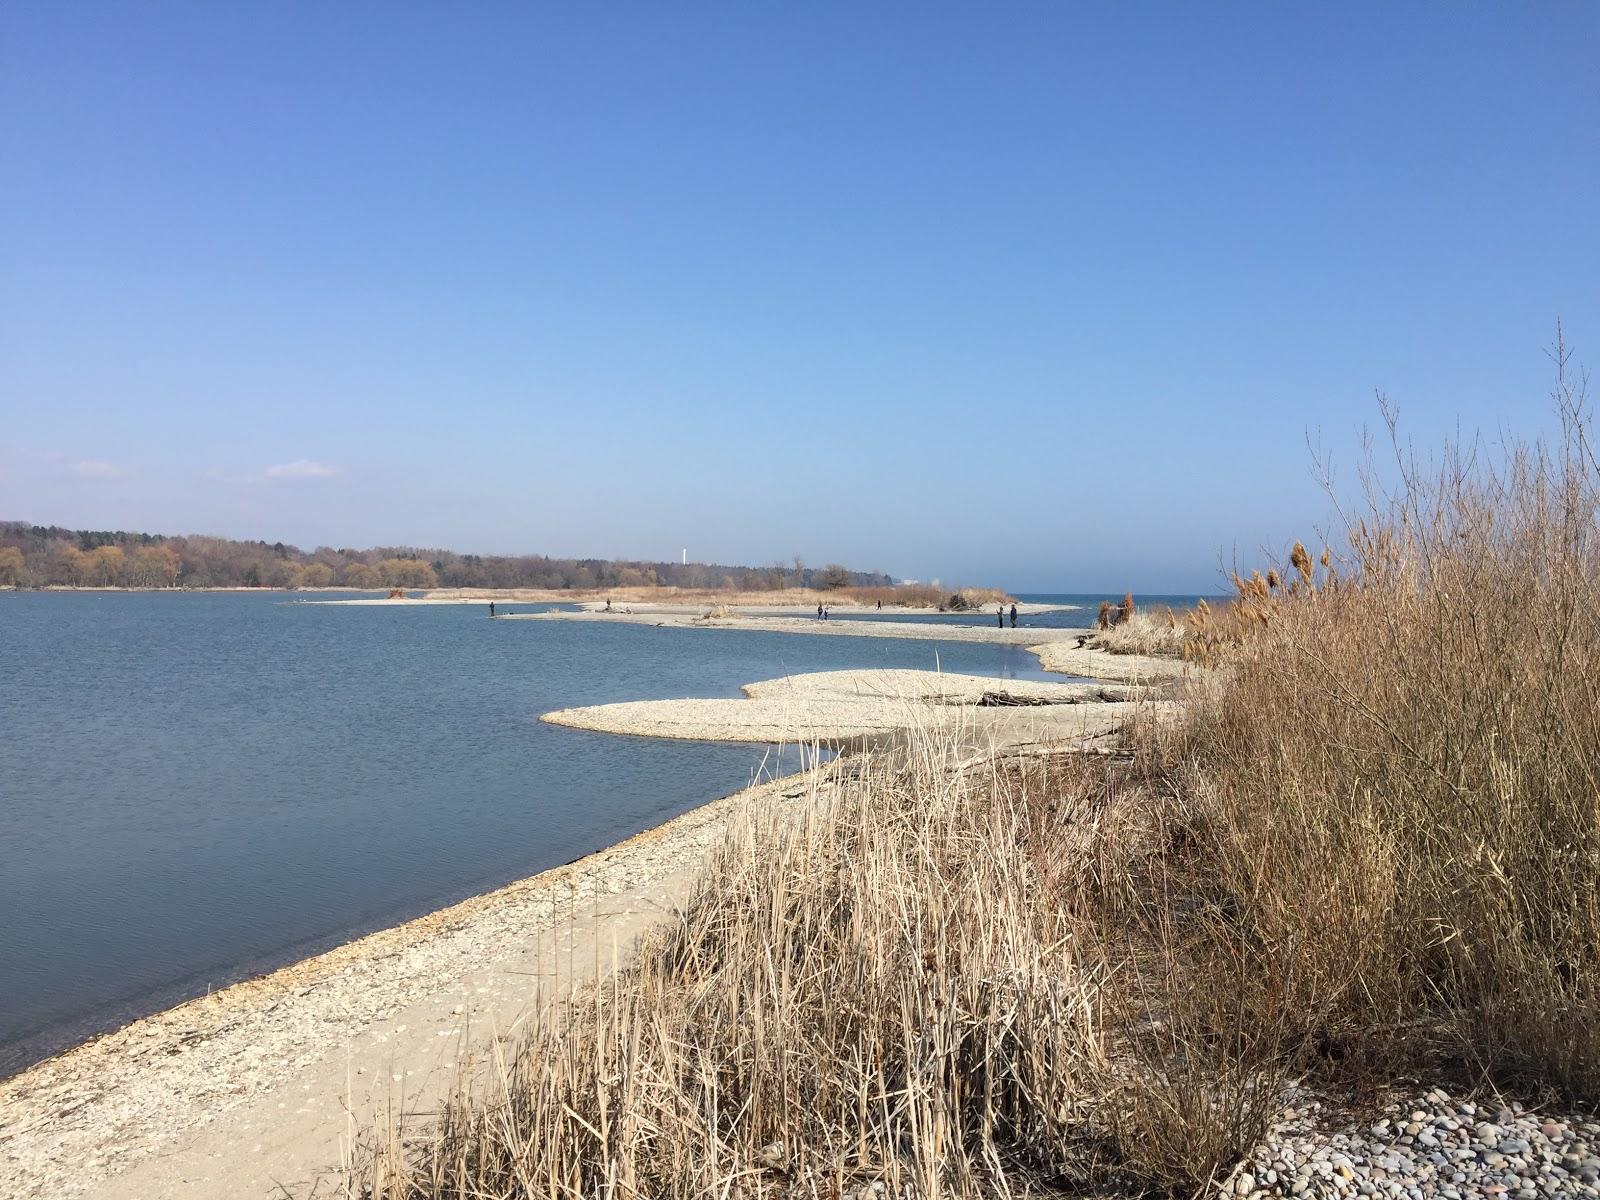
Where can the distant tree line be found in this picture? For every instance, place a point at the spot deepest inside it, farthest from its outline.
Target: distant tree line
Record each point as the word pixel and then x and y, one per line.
pixel 47 556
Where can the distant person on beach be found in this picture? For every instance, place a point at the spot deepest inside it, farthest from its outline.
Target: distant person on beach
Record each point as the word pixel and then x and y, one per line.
pixel 819 612
pixel 1013 616
pixel 491 608
pixel 880 605
pixel 608 603
pixel 1000 615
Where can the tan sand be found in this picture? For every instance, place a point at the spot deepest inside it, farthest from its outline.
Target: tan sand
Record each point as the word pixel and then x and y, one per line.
pixel 1066 658
pixel 842 708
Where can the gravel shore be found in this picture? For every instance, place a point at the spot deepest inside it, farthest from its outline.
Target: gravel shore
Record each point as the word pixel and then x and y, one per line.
pixel 1424 1147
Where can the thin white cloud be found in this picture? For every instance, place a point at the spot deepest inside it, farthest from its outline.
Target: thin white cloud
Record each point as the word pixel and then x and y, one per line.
pixel 302 468
pixel 94 468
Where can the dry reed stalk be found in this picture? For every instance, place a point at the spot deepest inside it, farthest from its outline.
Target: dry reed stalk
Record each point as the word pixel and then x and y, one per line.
pixel 1374 840
pixel 900 984
pixel 1398 774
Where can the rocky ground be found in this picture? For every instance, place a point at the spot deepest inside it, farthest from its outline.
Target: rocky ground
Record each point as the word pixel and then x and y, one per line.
pixel 1424 1147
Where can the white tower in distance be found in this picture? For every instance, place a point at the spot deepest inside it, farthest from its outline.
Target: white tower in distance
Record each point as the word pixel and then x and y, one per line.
pixel 686 556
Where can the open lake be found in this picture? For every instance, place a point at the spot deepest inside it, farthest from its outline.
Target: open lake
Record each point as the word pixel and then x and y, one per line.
pixel 195 787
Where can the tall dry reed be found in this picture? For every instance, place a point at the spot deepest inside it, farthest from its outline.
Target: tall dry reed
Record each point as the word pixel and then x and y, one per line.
pixel 1371 845
pixel 898 990
pixel 1396 777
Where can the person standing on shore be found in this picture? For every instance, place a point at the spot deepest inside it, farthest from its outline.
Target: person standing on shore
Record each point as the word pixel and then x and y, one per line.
pixel 819 612
pixel 491 608
pixel 1013 616
pixel 1000 615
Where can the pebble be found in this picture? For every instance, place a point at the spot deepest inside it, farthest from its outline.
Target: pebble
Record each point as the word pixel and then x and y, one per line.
pixel 1433 1148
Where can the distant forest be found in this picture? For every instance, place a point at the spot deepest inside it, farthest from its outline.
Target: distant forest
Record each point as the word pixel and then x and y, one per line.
pixel 47 555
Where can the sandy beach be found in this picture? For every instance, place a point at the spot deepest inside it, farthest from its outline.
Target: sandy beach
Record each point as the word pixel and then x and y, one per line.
pixel 263 1084
pixel 856 708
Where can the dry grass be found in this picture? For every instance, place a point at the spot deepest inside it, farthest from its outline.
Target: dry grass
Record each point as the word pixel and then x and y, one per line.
pixel 1370 847
pixel 930 982
pixel 1157 631
pixel 914 595
pixel 980 597
pixel 1399 778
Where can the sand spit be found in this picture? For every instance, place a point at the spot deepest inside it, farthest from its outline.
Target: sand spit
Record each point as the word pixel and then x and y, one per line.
pixel 849 708
pixel 938 631
pixel 683 608
pixel 236 1092
pixel 1057 649
pixel 1067 658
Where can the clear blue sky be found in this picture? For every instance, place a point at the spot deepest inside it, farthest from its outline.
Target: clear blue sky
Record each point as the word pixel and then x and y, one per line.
pixel 1045 295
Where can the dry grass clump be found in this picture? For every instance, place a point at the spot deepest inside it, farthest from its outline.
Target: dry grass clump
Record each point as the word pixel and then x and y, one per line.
pixel 932 984
pixel 1397 775
pixel 974 597
pixel 910 595
pixel 1159 632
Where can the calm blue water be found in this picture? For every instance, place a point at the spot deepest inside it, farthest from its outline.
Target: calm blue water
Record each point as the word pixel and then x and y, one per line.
pixel 195 787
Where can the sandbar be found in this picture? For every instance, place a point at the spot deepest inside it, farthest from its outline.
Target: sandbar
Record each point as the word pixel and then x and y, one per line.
pixel 853 708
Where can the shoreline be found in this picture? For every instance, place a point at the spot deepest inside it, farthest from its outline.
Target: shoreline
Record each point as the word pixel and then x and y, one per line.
pixel 182 1095
pixel 862 708
pixel 1056 649
pixel 254 1085
pixel 669 599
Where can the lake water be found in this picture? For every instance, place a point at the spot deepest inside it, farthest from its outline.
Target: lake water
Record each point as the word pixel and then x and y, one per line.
pixel 197 787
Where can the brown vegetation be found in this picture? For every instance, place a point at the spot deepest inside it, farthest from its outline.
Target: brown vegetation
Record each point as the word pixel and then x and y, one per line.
pixel 972 597
pixel 888 990
pixel 1370 848
pixel 908 595
pixel 1400 778
pixel 1158 632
